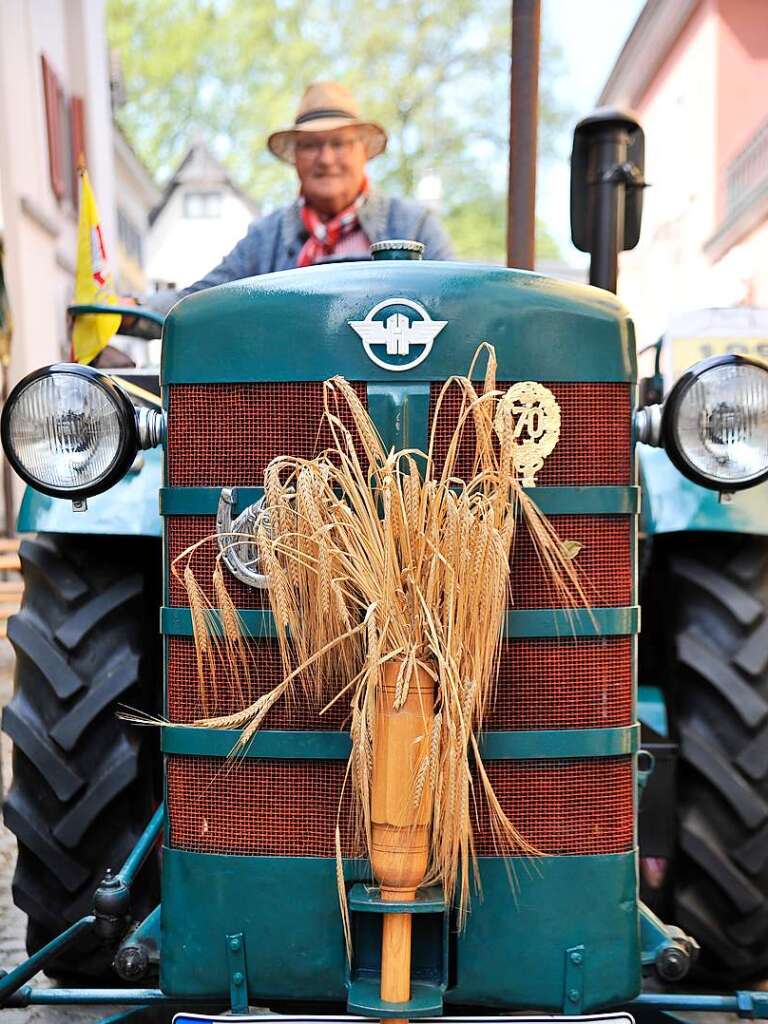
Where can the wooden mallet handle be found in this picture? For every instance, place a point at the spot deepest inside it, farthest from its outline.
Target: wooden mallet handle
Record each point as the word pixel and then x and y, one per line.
pixel 400 821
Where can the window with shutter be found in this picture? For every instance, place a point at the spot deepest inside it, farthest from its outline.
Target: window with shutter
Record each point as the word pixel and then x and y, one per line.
pixel 65 146
pixel 53 103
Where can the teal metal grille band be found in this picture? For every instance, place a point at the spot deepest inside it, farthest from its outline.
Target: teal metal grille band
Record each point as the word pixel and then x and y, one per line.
pixel 324 746
pixel 494 746
pixel 401 414
pixel 530 622
pixel 557 743
pixel 564 623
pixel 203 501
pixel 178 622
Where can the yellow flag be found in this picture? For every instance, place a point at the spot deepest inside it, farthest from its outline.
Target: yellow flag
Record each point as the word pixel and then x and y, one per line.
pixel 93 282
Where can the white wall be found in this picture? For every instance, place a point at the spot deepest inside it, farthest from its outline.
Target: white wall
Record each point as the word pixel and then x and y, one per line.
pixel 742 274
pixel 136 194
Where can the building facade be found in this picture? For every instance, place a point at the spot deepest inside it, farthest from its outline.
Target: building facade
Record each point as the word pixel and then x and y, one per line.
pixel 54 101
pixel 202 214
pixel 696 74
pixel 55 105
pixel 136 195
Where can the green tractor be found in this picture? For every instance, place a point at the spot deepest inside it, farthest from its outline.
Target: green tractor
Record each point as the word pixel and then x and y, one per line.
pixel 208 887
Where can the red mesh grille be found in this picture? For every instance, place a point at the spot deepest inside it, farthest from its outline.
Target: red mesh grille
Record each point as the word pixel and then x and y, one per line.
pixel 185 702
pixel 571 683
pixel 288 808
pixel 227 434
pixel 181 533
pixel 257 807
pixel 594 447
pixel 224 434
pixel 604 562
pixel 562 806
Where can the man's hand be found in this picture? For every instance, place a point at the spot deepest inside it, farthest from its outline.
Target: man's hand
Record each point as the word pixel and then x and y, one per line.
pixel 128 322
pixel 111 358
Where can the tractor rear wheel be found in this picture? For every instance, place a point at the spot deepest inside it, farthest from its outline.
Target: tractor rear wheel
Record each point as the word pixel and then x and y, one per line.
pixel 84 782
pixel 720 595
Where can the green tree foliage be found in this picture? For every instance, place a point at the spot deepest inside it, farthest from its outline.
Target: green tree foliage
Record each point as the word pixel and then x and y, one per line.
pixel 434 73
pixel 479 227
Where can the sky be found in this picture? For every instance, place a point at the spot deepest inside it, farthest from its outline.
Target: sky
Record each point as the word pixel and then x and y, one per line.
pixel 590 34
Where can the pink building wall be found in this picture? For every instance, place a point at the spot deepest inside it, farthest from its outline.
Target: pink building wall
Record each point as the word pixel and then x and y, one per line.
pixel 678 113
pixel 703 98
pixel 742 73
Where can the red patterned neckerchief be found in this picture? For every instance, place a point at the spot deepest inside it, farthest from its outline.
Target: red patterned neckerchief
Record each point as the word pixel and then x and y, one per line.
pixel 324 236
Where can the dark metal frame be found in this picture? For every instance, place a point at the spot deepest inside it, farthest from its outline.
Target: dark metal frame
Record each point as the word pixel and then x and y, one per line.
pixel 606 190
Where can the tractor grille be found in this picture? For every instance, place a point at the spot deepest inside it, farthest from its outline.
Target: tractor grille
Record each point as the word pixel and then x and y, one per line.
pixel 182 533
pixel 570 683
pixel 289 808
pixel 219 435
pixel 566 807
pixel 224 435
pixel 592 450
pixel 260 807
pixel 186 702
pixel 227 434
pixel 604 562
pixel 573 683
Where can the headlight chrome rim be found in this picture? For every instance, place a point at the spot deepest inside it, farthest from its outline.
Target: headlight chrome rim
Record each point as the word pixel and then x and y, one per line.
pixel 128 431
pixel 671 440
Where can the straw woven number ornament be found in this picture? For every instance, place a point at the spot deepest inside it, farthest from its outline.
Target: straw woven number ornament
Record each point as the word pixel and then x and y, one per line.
pixel 537 427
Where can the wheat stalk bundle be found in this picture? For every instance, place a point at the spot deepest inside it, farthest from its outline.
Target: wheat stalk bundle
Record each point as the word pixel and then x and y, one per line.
pixel 379 558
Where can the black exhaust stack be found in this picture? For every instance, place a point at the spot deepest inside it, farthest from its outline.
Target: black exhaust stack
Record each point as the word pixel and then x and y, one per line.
pixel 607 185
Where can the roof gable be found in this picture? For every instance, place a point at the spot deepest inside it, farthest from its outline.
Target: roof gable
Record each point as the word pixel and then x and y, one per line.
pixel 200 167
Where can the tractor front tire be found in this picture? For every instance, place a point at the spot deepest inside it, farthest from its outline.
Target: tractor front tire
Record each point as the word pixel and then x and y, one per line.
pixel 720 700
pixel 85 782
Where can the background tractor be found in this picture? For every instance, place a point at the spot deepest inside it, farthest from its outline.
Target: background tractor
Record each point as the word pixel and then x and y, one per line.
pixel 703 662
pixel 703 574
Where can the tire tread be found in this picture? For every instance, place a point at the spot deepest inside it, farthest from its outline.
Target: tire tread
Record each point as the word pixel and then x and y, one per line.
pixel 719 605
pixel 84 782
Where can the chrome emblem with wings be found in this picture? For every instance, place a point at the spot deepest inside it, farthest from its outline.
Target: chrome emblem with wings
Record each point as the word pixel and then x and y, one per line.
pixel 398 333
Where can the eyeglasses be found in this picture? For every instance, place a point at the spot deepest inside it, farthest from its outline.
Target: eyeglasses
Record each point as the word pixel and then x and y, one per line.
pixel 311 147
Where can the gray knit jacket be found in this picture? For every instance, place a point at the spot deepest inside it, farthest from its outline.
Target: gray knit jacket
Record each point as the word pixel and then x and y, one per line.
pixel 274 242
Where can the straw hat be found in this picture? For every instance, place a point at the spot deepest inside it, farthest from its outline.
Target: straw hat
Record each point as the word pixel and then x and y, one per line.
pixel 325 106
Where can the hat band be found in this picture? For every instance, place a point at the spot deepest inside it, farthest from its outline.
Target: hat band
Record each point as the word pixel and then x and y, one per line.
pixel 316 115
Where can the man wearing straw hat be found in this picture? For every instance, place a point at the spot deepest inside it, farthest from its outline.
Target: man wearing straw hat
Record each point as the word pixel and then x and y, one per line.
pixel 337 213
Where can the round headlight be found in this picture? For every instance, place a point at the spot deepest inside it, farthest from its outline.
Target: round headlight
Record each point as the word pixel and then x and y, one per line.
pixel 715 423
pixel 69 431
